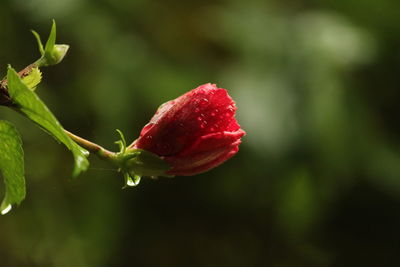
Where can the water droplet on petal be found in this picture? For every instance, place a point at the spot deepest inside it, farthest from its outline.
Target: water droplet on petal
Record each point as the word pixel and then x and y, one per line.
pixel 146 128
pixel 199 118
pixel 6 209
pixel 212 129
pixel 212 114
pixel 197 110
pixel 203 102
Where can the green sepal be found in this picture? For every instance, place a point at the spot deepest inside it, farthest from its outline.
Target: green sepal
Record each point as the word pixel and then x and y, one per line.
pixel 39 42
pixel 135 163
pixel 122 142
pixel 11 166
pixel 146 164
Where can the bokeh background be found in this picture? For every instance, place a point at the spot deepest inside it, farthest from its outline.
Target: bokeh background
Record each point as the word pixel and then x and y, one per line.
pixel 317 179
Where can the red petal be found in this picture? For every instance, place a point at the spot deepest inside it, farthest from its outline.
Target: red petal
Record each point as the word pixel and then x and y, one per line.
pixel 213 141
pixel 206 153
pixel 203 162
pixel 179 123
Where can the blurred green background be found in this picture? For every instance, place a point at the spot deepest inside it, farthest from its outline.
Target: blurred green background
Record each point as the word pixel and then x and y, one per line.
pixel 317 179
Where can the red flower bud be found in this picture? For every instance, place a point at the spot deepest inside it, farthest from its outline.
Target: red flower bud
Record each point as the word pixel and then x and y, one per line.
pixel 195 132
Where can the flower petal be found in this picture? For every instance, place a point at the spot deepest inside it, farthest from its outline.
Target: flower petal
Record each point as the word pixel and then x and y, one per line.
pixel 202 162
pixel 195 132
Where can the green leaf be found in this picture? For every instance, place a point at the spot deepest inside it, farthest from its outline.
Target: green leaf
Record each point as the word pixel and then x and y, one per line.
pixel 11 166
pixel 29 104
pixel 33 78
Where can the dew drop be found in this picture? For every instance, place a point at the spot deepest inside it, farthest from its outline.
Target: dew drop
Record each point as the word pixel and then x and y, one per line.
pixel 132 181
pixel 149 137
pixel 219 136
pixel 216 110
pixel 202 126
pixel 6 209
pixel 203 102
pixel 212 114
pixel 212 129
pixel 147 126
pixel 136 179
pixel 197 110
pixel 199 118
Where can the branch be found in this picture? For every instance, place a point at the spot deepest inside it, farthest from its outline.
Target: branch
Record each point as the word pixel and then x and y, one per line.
pixel 94 148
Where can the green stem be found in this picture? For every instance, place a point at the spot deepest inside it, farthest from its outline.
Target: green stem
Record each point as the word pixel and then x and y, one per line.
pixel 94 148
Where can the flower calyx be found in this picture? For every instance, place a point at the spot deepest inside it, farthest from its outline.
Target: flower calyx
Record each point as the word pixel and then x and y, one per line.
pixel 136 163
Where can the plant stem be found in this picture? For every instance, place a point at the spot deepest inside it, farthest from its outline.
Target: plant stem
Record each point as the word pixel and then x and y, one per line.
pixel 94 148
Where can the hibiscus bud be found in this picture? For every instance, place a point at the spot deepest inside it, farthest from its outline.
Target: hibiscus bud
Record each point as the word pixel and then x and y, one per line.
pixel 193 133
